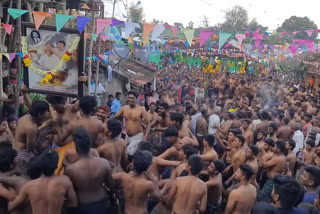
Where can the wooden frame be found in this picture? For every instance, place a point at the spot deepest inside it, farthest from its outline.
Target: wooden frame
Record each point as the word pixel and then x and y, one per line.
pixel 75 88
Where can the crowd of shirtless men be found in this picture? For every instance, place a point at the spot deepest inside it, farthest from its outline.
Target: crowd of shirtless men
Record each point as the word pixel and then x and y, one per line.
pixel 249 145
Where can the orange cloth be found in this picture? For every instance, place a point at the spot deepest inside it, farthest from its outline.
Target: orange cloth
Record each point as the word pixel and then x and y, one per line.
pixel 312 82
pixel 61 152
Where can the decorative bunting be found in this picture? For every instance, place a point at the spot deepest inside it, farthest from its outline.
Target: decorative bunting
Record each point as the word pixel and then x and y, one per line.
pixel 87 35
pixel 223 38
pixel 103 37
pixel 117 22
pixel 129 28
pixel 82 22
pixel 174 30
pixel 204 36
pixel 16 13
pixel 147 29
pixel 39 17
pixel 256 33
pixel 12 56
pixel 94 36
pixel 247 33
pixel 21 55
pixel 61 20
pixel 293 49
pixel 309 32
pixel 189 33
pixel 240 38
pixel 85 7
pixel 157 32
pixel 7 28
pixel 102 24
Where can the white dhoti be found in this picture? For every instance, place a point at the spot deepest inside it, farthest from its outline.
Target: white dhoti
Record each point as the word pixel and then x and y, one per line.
pixel 134 143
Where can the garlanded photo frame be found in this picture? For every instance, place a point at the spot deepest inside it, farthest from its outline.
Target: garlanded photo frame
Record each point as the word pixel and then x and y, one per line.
pixel 53 61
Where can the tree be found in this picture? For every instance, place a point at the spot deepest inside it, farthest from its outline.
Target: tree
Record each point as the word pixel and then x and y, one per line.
pixel 190 25
pixel 135 13
pixel 236 20
pixel 156 22
pixel 254 25
pixel 295 23
pixel 178 25
pixel 205 21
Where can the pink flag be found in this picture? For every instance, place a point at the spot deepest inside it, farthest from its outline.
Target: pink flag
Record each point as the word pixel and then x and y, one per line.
pixel 247 33
pixel 293 49
pixel 12 56
pixel 102 23
pixel 257 32
pixel 174 30
pixel 258 41
pixel 294 33
pixel 204 36
pixel 103 37
pixel 309 32
pixel 265 46
pixel 310 45
pixel 8 28
pixel 240 38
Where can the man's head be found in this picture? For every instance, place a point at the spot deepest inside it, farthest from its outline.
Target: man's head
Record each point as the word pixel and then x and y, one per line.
pixel 152 107
pixel 3 124
pixel 40 110
pixel 110 97
pixel 244 172
pixel 7 157
pixel 145 146
pixel 12 122
pixel 171 134
pixel 88 105
pixel 209 140
pixel 252 152
pixel 82 141
pixel 286 191
pixel 172 109
pixel 118 95
pixel 290 145
pixel 310 144
pixel 245 124
pixel 176 119
pixel 132 98
pixel 311 176
pixel 280 147
pixel 273 127
pixel 187 151
pixel 163 108
pixel 239 141
pixel 195 164
pixel 57 102
pixel 216 167
pixel 142 161
pixel 103 112
pixel 44 164
pixel 61 45
pixel 112 128
pixel 261 135
pixel 232 134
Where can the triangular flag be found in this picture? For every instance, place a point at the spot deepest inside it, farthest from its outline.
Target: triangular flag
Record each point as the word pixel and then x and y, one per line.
pixel 61 20
pixel 39 17
pixel 103 37
pixel 82 22
pixel 94 36
pixel 87 35
pixel 309 32
pixel 8 28
pixel 117 22
pixel 147 29
pixel 189 33
pixel 247 33
pixel 102 24
pixel 293 49
pixel 85 6
pixel 21 55
pixel 174 30
pixel 257 32
pixel 12 56
pixel 6 55
pixel 129 28
pixel 204 36
pixel 240 38
pixel 16 13
pixel 157 31
pixel 223 38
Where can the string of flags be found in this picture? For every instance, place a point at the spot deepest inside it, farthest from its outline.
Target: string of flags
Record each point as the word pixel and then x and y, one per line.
pixel 10 56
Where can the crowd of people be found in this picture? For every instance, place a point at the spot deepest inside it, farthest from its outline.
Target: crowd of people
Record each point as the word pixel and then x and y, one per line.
pixel 200 143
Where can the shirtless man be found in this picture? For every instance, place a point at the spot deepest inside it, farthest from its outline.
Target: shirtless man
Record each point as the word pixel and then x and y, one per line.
pixel 308 153
pixel 224 129
pixel 5 133
pixel 267 152
pixel 209 153
pixel 185 153
pixel 261 136
pixel 189 193
pixel 275 166
pixel 114 149
pixel 251 154
pixel 47 194
pixel 291 157
pixel 285 131
pixel 273 128
pixel 135 186
pixel 215 187
pixel 134 115
pixel 202 128
pixel 152 115
pixel 237 203
pixel 27 128
pixel 246 132
pixel 89 175
pixel 264 125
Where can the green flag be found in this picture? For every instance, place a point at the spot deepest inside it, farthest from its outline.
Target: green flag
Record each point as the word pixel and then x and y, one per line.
pixel 61 20
pixel 16 13
pixel 155 58
pixel 223 38
pixel 189 35
pixel 94 36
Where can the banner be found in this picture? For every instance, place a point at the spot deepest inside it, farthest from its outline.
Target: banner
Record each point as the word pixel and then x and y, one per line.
pixel 157 32
pixel 16 13
pixel 129 28
pixel 7 28
pixel 147 29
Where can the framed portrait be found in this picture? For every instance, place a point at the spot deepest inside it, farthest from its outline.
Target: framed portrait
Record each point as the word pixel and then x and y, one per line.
pixel 50 72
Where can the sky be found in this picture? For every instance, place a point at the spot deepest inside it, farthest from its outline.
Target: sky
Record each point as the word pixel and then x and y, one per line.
pixel 270 13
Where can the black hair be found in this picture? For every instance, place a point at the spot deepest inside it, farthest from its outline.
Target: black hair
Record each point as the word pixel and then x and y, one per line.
pixel 115 127
pixel 110 95
pixel 265 115
pixel 286 121
pixel 46 164
pixel 11 118
pixel 269 141
pixel 263 132
pixel 219 165
pixel 7 157
pixel 188 150
pixel 311 143
pixel 274 126
pixel 288 190
pixel 292 144
pixel 255 149
pixel 236 131
pixel 177 117
pixel 38 108
pixel 152 104
pixel 196 164
pixel 134 93
pixel 118 94
pixel 210 139
pixel 281 146
pixel 241 138
pixel 171 132
pixel 82 140
pixel 56 100
pixel 314 171
pixel 164 105
pixel 145 146
pixel 88 104
pixel 247 170
pixel 247 121
pixel 62 42
pixel 141 161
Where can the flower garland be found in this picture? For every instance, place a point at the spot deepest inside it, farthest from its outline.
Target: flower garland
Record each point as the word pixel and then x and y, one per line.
pixel 48 74
pixel 210 68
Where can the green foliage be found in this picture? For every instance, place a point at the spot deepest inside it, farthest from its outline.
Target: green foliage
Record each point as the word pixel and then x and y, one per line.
pixel 136 13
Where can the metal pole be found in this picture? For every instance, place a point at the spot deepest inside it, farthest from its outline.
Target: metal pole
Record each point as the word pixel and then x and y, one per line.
pixel 114 6
pixel 98 61
pixel 1 45
pixel 18 45
pixel 90 54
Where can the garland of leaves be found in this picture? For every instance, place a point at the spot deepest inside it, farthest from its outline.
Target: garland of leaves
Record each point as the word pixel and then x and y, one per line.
pixel 66 57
